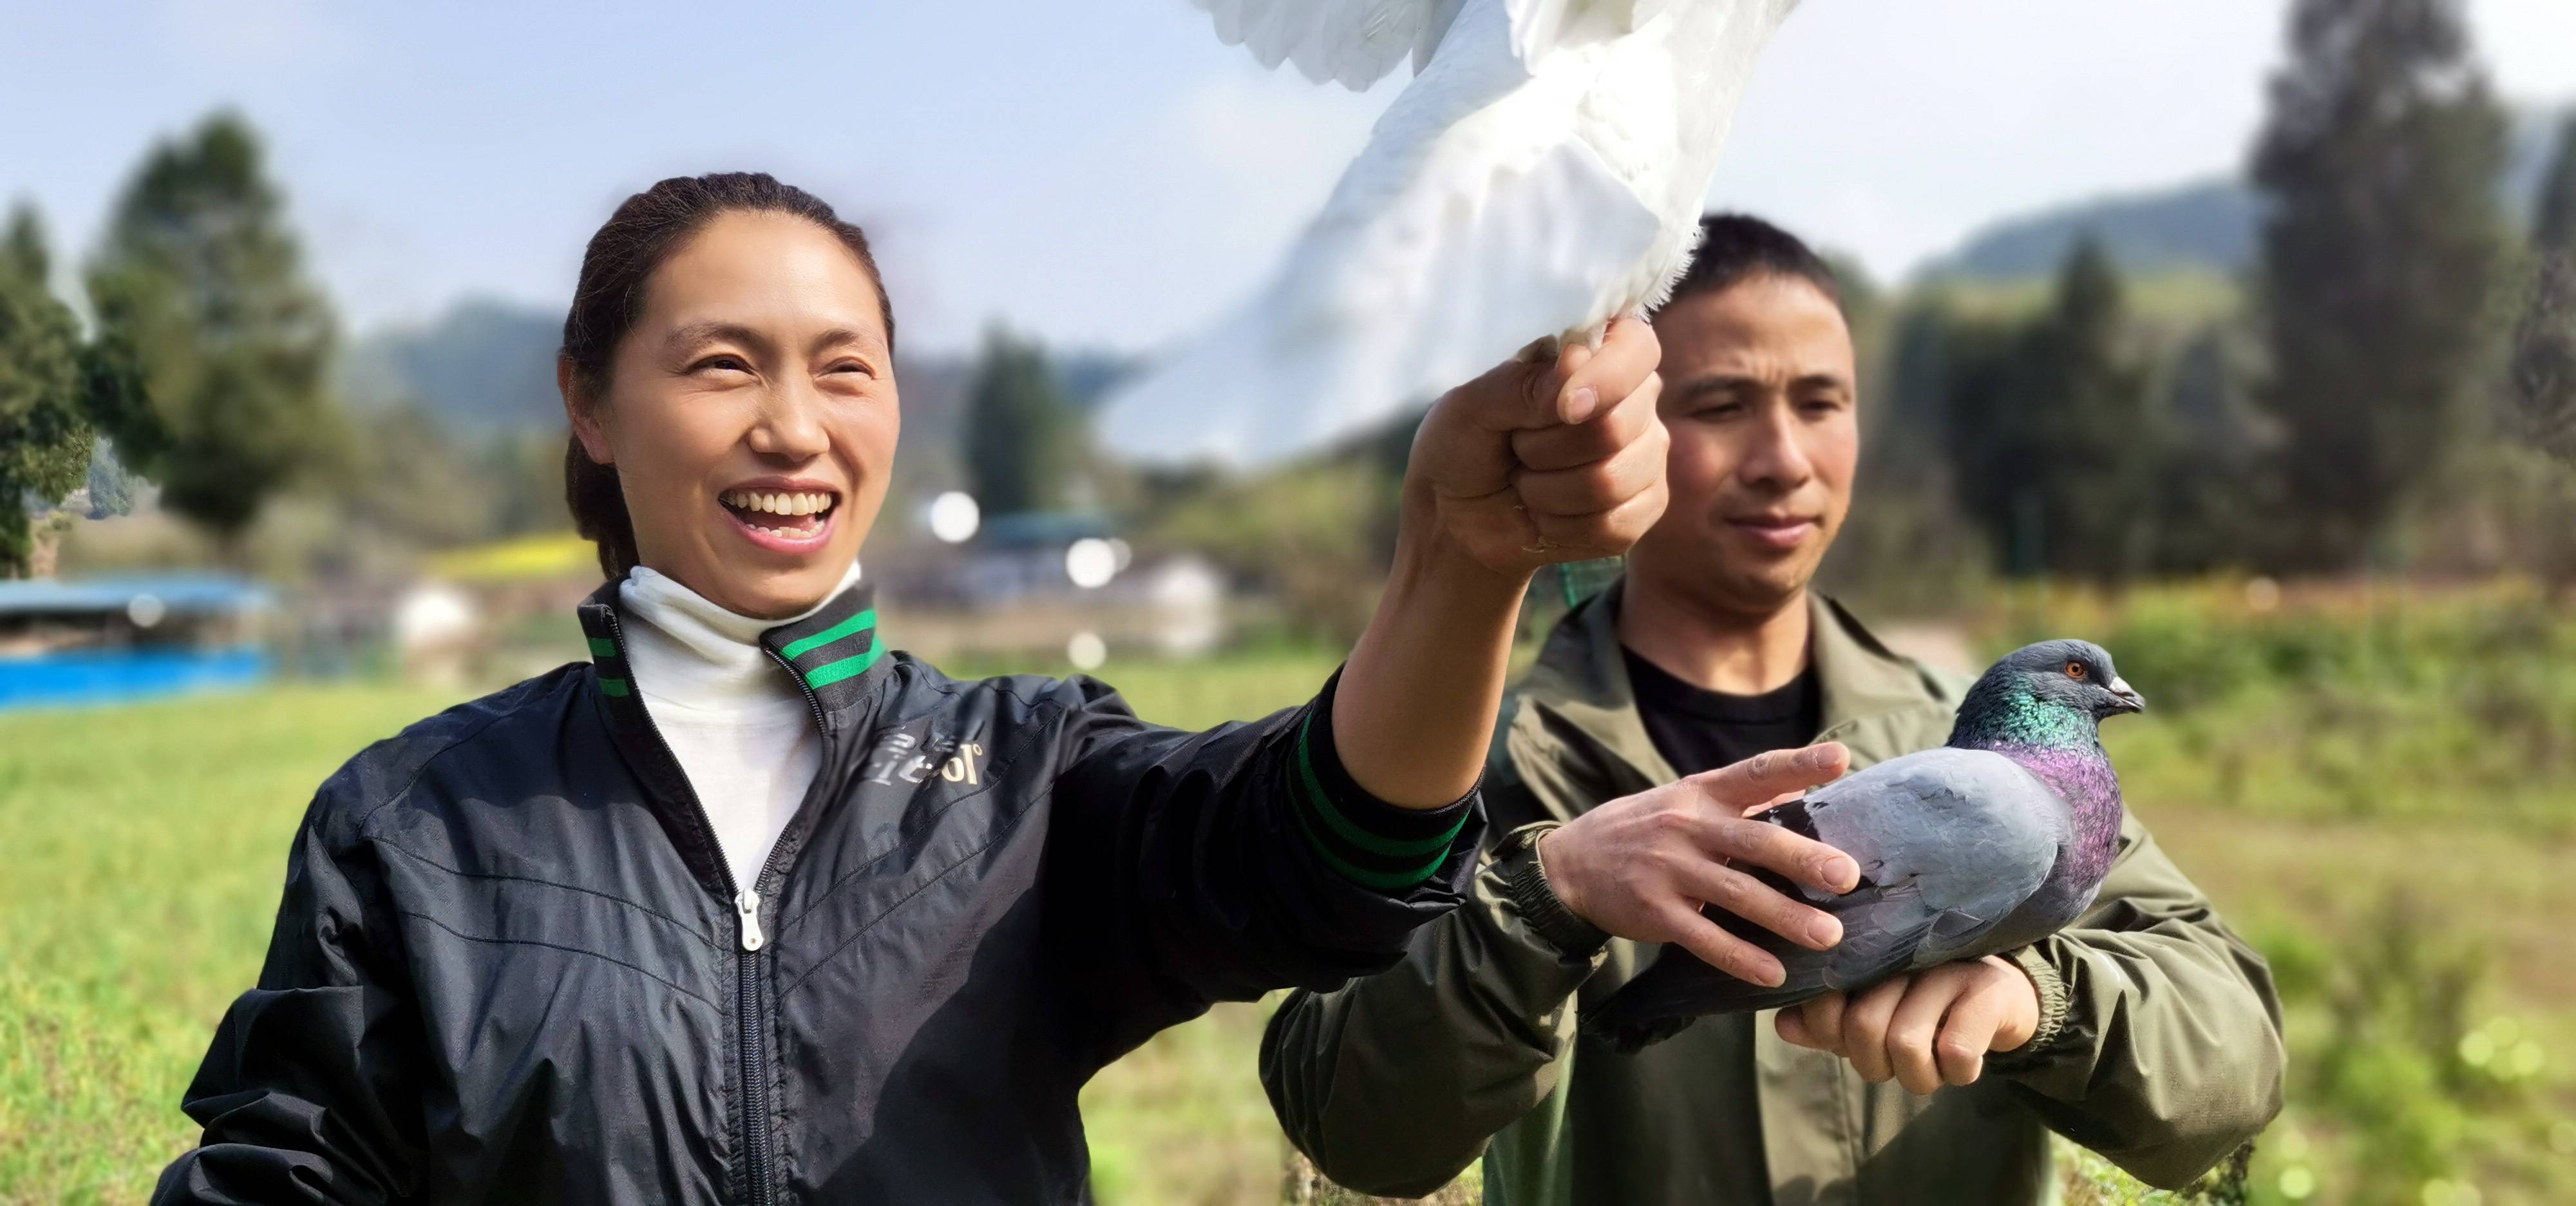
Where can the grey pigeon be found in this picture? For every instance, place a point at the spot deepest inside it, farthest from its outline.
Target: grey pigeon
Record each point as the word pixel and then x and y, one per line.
pixel 1989 843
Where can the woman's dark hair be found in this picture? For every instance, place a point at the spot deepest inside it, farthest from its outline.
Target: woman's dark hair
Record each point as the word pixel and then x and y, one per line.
pixel 609 297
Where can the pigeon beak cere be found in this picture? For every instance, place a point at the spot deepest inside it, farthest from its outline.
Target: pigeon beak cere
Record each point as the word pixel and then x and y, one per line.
pixel 782 520
pixel 2130 700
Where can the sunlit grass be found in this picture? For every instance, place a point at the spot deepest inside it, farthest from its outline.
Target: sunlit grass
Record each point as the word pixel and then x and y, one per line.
pixel 147 845
pixel 146 850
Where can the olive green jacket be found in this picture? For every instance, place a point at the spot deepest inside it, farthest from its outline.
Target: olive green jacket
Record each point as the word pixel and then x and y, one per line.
pixel 2159 1042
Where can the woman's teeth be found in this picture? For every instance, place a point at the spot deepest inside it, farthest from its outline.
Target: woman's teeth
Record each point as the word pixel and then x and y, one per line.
pixel 777 502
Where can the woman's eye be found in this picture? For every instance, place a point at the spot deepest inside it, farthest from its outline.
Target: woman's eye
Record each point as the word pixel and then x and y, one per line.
pixel 851 366
pixel 729 364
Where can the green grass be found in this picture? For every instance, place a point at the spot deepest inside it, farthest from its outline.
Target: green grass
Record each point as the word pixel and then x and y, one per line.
pixel 146 849
pixel 147 845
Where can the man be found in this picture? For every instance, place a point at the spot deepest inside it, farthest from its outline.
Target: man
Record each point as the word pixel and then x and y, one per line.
pixel 2146 1031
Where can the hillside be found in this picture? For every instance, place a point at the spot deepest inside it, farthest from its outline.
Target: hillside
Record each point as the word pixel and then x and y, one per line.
pixel 2206 224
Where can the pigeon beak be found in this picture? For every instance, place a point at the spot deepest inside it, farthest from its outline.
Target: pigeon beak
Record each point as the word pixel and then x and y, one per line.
pixel 2130 700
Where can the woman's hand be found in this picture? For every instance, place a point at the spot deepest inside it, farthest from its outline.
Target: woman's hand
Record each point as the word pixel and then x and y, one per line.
pixel 1641 866
pixel 1526 465
pixel 1924 1030
pixel 1537 463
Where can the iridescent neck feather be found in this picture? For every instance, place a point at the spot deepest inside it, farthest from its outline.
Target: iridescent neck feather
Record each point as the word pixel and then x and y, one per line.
pixel 2059 743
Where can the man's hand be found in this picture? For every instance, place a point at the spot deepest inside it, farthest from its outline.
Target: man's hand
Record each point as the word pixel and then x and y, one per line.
pixel 1537 463
pixel 1641 867
pixel 1924 1030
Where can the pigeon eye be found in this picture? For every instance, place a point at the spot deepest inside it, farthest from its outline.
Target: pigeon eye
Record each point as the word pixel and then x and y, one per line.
pixel 2076 670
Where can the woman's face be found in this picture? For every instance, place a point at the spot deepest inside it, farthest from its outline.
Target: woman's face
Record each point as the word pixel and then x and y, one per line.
pixel 751 414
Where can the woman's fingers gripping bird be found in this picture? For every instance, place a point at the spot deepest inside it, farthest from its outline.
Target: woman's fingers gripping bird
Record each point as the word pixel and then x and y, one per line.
pixel 1538 463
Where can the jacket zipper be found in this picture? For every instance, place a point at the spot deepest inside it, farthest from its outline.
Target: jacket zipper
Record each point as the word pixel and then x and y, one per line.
pixel 758 1146
pixel 758 1152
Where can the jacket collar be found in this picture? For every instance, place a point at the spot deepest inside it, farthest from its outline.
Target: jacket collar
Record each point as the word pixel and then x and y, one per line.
pixel 1581 683
pixel 836 656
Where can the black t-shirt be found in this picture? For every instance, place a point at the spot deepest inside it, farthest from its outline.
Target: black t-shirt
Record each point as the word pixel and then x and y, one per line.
pixel 1699 730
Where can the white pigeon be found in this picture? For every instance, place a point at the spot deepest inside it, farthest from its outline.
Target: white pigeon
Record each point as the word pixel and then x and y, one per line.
pixel 1542 175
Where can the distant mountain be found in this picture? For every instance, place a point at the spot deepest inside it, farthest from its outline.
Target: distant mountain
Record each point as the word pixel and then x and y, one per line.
pixel 2208 224
pixel 484 366
pixel 2204 224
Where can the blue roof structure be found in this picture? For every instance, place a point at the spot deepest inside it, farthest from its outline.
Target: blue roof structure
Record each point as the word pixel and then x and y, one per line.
pixel 182 594
pixel 1038 529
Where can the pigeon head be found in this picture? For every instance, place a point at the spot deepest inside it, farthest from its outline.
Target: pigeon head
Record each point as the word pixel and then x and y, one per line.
pixel 2073 674
pixel 2053 693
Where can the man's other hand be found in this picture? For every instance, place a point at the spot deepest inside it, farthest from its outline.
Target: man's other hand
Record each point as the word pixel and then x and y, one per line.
pixel 1924 1030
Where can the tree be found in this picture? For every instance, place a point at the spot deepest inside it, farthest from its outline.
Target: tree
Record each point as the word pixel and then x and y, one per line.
pixel 1022 436
pixel 110 488
pixel 1908 544
pixel 2544 362
pixel 2554 226
pixel 409 477
pixel 2215 488
pixel 2052 434
pixel 44 441
pixel 2379 254
pixel 208 371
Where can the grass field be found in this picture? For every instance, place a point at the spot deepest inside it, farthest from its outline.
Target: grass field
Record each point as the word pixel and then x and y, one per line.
pixel 2417 909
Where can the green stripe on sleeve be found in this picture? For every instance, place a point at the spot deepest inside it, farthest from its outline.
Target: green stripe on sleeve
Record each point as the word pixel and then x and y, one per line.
pixel 1351 832
pixel 863 620
pixel 603 647
pixel 614 686
pixel 833 672
pixel 1383 881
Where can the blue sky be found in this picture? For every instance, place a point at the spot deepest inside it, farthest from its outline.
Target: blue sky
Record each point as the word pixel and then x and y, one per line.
pixel 1100 171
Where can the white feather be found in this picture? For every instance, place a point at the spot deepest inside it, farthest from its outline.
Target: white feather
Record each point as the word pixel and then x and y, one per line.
pixel 1542 175
pixel 1352 42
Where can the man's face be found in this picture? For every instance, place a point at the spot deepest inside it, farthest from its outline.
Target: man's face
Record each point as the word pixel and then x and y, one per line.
pixel 1759 394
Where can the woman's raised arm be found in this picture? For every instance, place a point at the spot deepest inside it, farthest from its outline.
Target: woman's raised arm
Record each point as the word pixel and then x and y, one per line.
pixel 1303 849
pixel 1528 465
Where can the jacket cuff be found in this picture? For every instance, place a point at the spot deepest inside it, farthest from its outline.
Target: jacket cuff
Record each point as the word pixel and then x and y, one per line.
pixel 1365 839
pixel 2044 977
pixel 1524 882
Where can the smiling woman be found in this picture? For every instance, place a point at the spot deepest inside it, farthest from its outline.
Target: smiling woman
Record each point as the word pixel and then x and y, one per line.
pixel 752 907
pixel 732 346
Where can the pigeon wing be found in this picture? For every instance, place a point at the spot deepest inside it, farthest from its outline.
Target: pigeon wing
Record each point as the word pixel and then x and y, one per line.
pixel 1480 217
pixel 1949 842
pixel 1356 43
pixel 1539 26
pixel 1352 42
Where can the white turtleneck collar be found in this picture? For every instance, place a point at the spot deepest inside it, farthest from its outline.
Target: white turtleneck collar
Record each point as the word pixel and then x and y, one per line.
pixel 687 652
pixel 733 718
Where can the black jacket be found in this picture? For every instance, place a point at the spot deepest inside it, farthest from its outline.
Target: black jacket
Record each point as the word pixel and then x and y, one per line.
pixel 511 965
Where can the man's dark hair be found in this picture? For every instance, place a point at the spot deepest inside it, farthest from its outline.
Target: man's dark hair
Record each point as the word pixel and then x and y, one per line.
pixel 1735 248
